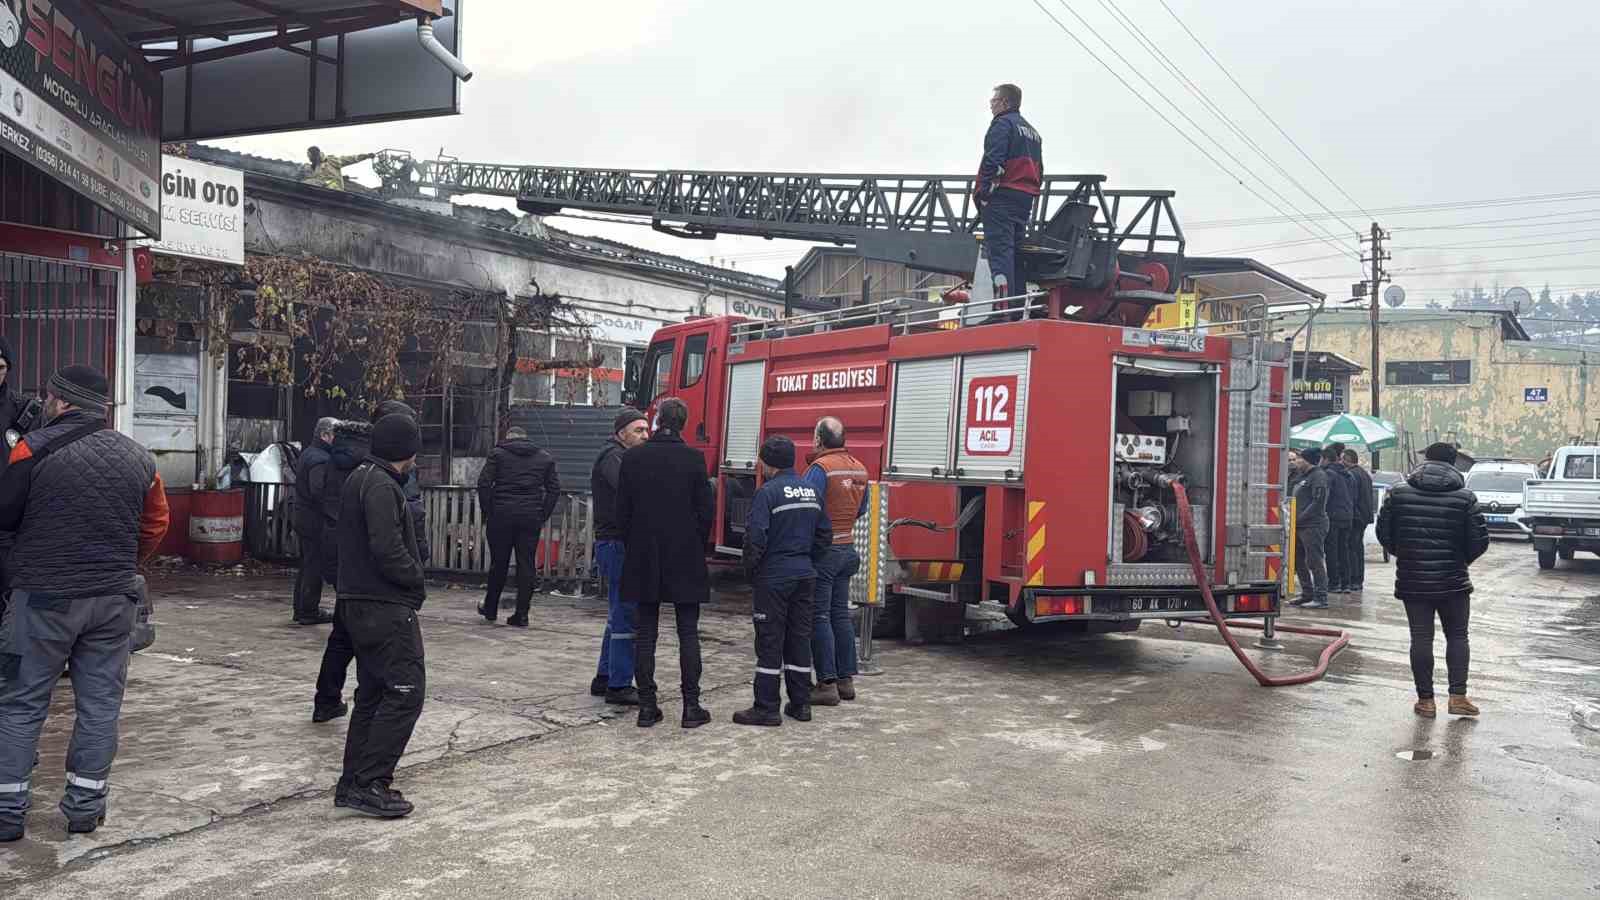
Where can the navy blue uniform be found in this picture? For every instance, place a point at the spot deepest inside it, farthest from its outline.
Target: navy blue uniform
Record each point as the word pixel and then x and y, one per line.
pixel 786 533
pixel 1009 177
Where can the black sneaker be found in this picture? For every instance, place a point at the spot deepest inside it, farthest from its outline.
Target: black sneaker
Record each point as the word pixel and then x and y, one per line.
pixel 800 712
pixel 489 617
pixel 650 715
pixel 754 716
pixel 85 826
pixel 10 831
pixel 322 714
pixel 1316 604
pixel 518 621
pixel 626 696
pixel 377 801
pixel 1300 602
pixel 321 617
pixel 694 715
pixel 598 686
pixel 341 794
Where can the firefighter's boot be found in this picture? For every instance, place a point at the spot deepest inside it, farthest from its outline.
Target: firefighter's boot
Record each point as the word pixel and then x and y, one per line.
pixel 755 715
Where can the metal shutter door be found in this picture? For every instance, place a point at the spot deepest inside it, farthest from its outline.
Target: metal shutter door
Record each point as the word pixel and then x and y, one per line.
pixel 742 441
pixel 990 366
pixel 924 390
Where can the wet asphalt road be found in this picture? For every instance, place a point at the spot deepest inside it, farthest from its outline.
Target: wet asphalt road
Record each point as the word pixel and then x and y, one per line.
pixel 1011 764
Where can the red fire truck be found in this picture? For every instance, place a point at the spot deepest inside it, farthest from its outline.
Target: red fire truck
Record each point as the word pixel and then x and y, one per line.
pixel 1041 451
pixel 1030 445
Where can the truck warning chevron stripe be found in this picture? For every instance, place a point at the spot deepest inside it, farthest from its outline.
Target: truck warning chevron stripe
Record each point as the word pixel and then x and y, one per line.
pixel 1035 566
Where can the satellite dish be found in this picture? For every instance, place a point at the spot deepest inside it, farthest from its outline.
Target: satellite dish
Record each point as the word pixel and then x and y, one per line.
pixel 1395 295
pixel 1517 298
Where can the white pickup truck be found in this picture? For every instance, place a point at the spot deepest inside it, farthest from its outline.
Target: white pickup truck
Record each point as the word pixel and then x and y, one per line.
pixel 1563 508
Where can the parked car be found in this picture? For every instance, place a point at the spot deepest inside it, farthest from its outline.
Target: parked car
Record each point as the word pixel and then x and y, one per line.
pixel 1499 490
pixel 1564 509
pixel 1382 481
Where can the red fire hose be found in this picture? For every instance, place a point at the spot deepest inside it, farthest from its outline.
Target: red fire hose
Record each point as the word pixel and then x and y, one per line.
pixel 1328 652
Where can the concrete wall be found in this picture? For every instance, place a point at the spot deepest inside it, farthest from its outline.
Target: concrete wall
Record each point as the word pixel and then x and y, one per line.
pixel 1490 416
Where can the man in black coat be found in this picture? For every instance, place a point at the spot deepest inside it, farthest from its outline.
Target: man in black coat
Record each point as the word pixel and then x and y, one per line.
pixel 1432 526
pixel 1309 487
pixel 381 588
pixel 1341 516
pixel 1361 481
pixel 15 421
pixel 665 510
pixel 352 444
pixel 311 471
pixel 517 490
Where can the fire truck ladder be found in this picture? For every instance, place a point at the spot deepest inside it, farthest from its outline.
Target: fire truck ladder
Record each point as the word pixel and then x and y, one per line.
pixel 1256 536
pixel 926 222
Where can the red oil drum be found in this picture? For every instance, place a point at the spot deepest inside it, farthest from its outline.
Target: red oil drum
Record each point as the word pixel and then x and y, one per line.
pixel 216 526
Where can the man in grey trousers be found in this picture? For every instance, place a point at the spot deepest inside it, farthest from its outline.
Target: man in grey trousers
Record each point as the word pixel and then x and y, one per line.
pixel 87 505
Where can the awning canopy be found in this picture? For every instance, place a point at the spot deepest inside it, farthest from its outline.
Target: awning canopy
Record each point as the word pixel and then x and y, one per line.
pixel 144 23
pixel 1237 276
pixel 240 67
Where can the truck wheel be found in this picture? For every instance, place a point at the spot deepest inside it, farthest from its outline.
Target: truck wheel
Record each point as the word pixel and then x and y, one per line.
pixel 1547 558
pixel 890 621
pixel 1566 552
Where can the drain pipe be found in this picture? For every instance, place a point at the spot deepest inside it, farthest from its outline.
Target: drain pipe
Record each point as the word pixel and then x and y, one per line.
pixel 437 50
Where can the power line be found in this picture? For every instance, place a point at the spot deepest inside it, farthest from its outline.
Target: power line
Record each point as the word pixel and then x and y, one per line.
pixel 1446 206
pixel 1268 116
pixel 1199 94
pixel 1163 116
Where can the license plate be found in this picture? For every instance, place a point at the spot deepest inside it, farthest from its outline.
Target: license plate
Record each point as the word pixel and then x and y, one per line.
pixel 1154 604
pixel 1592 532
pixel 1499 519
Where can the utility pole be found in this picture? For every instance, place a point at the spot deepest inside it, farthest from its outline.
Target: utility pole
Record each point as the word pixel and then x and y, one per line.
pixel 1378 276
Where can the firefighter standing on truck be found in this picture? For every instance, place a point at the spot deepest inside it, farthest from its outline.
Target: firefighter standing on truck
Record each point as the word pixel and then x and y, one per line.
pixel 1009 177
pixel 786 535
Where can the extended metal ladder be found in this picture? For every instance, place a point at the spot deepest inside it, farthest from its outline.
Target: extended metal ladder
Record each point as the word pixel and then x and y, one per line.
pixel 1257 538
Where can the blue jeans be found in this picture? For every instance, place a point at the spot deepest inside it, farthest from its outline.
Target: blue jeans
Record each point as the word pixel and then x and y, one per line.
pixel 833 639
pixel 616 647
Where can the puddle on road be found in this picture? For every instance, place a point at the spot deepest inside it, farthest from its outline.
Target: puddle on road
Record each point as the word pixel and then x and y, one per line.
pixel 1417 755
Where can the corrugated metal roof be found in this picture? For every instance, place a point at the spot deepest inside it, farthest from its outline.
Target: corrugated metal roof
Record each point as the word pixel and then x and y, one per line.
pixel 153 20
pixel 571 434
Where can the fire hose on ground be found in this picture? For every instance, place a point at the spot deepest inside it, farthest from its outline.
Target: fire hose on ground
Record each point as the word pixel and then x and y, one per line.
pixel 1342 638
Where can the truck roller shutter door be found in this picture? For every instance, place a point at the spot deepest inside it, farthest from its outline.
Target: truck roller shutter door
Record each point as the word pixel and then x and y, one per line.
pixel 742 441
pixel 994 388
pixel 924 400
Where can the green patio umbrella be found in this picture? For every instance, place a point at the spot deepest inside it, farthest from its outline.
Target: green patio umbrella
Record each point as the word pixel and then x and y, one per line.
pixel 1368 431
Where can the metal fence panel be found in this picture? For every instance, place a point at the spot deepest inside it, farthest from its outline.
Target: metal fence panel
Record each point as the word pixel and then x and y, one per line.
pixel 457 533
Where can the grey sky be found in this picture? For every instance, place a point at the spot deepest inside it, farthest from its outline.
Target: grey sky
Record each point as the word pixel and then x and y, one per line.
pixel 1403 104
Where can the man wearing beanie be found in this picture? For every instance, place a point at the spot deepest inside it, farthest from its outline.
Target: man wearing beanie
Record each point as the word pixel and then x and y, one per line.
pixel 352 444
pixel 665 510
pixel 1309 488
pixel 87 506
pixel 1431 525
pixel 380 590
pixel 786 535
pixel 517 490
pixel 614 680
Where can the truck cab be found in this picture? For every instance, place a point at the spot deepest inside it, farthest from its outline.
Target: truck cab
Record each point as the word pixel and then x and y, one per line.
pixel 1563 508
pixel 685 361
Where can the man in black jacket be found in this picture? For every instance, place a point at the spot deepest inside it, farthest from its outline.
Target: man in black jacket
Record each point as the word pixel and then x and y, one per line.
pixel 517 490
pixel 311 471
pixel 17 415
pixel 665 510
pixel 1432 526
pixel 614 680
pixel 352 444
pixel 1341 513
pixel 87 506
pixel 1309 488
pixel 380 590
pixel 1361 481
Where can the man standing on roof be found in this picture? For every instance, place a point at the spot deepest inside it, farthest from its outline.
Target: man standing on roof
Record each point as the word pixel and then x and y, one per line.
pixel 1009 178
pixel 328 171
